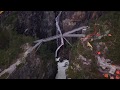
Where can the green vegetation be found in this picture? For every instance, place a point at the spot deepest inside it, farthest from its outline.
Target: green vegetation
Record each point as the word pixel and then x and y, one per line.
pixel 11 19
pixel 47 50
pixel 20 65
pixel 10 41
pixel 84 72
pixel 4 39
pixel 46 53
pixel 109 21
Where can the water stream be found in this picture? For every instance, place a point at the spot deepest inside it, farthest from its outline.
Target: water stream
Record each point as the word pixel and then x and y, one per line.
pixel 62 66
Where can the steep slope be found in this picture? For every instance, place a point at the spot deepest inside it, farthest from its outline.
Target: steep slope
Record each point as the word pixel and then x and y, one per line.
pixel 39 24
pixel 73 19
pixel 18 27
pixel 108 47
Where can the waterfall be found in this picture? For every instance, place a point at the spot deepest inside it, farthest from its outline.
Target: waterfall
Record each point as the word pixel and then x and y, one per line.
pixel 57 41
pixel 62 66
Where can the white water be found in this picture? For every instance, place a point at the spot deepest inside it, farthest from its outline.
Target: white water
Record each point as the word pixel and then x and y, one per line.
pixel 62 66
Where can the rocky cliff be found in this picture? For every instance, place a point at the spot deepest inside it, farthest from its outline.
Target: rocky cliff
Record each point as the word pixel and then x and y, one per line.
pixel 73 19
pixel 103 43
pixel 41 24
pixel 38 24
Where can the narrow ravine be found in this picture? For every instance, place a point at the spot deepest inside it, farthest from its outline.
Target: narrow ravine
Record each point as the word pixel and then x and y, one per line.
pixel 62 66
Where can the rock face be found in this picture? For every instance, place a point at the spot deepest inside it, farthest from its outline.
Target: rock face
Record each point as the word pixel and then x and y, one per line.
pixel 36 23
pixel 73 19
pixel 41 24
pixel 35 68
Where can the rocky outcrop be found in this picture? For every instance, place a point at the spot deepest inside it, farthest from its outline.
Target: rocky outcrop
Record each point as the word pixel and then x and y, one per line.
pixel 35 68
pixel 36 23
pixel 41 24
pixel 73 19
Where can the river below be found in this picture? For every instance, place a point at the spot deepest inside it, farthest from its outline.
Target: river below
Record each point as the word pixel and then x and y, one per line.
pixel 62 66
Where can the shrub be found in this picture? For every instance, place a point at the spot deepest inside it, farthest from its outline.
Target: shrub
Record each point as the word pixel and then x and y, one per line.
pixel 4 39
